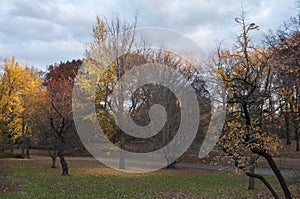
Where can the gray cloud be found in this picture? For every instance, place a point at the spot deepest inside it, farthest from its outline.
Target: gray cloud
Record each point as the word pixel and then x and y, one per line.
pixel 44 32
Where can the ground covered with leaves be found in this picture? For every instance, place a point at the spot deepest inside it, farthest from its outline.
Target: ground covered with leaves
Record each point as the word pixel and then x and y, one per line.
pixel 90 179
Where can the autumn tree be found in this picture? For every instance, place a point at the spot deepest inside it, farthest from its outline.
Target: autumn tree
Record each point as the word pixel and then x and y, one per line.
pixel 43 135
pixel 59 81
pixel 18 84
pixel 28 115
pixel 111 40
pixel 246 74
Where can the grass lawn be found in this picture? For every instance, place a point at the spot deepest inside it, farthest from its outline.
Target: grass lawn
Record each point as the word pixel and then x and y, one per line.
pixel 90 179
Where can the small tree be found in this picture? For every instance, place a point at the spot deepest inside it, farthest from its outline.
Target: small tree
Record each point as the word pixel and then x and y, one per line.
pixel 246 74
pixel 59 81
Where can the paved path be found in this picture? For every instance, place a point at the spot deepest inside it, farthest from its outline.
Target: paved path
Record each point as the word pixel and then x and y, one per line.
pixel 289 173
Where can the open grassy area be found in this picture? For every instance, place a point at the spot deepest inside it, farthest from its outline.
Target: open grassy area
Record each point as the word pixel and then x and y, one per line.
pixel 90 179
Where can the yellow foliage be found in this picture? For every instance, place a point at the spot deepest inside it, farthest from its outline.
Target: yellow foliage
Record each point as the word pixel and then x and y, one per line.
pixel 17 84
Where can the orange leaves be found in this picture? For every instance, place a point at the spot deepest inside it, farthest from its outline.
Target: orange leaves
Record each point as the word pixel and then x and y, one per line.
pixel 245 71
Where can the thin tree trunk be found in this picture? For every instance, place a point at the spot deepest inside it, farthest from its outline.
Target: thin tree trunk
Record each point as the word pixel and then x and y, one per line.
pixel 298 124
pixel 27 154
pixel 11 147
pixel 1 150
pixel 27 146
pixel 53 166
pixel 122 155
pixel 53 156
pixel 62 142
pixel 297 135
pixel 287 126
pixel 274 129
pixel 23 137
pixel 172 165
pixel 61 154
pixel 297 140
pixel 64 165
pixel 251 179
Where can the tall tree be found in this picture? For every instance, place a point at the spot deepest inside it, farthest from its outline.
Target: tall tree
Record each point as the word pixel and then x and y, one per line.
pixel 17 84
pixel 111 40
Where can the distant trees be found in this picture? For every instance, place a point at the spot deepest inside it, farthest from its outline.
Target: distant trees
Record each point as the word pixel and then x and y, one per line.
pixel 284 46
pixel 110 55
pixel 148 95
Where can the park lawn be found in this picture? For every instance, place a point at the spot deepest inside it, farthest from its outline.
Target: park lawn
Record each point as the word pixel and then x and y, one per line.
pixel 90 179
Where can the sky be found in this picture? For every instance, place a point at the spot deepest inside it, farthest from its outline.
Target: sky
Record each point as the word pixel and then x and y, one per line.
pixel 43 32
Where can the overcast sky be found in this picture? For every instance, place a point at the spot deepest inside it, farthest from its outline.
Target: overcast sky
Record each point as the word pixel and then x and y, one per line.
pixel 41 32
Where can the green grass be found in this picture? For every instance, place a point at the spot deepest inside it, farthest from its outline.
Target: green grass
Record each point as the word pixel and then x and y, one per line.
pixel 90 179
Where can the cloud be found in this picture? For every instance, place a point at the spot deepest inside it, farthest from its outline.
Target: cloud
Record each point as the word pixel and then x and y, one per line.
pixel 45 32
pixel 43 53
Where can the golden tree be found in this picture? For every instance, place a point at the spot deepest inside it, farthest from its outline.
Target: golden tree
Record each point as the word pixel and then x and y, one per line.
pixel 17 84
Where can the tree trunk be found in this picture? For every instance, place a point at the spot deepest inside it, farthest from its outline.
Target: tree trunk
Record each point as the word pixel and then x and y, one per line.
pixel 297 122
pixel 297 136
pixel 1 150
pixel 172 165
pixel 272 109
pixel 287 127
pixel 11 147
pixel 276 171
pixel 53 162
pixel 61 141
pixel 64 165
pixel 297 141
pixel 298 126
pixel 27 154
pixel 266 183
pixel 23 137
pixel 27 146
pixel 122 155
pixel 251 179
pixel 53 155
